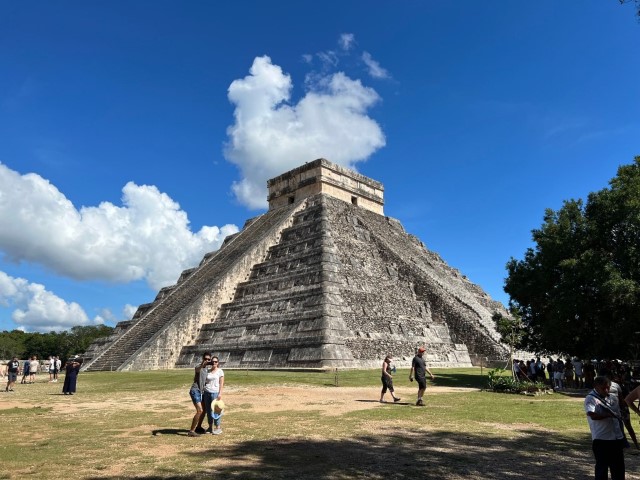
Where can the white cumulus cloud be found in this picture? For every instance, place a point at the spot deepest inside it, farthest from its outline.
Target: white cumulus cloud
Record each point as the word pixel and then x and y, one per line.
pixel 271 135
pixel 148 237
pixel 37 309
pixel 129 310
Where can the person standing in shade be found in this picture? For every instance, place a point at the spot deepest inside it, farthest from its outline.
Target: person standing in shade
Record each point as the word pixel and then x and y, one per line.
pixel 419 368
pixel 606 431
pixel 71 375
pixel 387 379
pixel 212 392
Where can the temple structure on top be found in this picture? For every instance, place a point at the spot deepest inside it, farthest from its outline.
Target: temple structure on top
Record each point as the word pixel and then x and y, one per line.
pixel 323 177
pixel 321 280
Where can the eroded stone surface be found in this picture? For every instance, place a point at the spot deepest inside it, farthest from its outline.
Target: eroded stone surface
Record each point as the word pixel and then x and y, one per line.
pixel 318 283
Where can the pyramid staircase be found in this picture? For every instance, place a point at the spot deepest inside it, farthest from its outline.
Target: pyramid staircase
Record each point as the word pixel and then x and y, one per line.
pixel 170 301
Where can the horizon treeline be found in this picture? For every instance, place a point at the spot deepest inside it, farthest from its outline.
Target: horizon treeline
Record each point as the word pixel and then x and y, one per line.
pixel 61 344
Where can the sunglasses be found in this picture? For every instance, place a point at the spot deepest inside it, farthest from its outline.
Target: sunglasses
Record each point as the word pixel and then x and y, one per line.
pixel 214 361
pixel 207 359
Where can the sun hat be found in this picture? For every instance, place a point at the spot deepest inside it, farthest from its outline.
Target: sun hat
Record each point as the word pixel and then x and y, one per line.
pixel 218 407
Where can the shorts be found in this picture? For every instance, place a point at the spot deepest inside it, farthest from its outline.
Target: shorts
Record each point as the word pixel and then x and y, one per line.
pixel 422 383
pixel 196 395
pixel 387 384
pixel 13 376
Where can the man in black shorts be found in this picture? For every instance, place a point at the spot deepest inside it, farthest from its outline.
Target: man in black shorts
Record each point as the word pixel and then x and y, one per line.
pixel 419 368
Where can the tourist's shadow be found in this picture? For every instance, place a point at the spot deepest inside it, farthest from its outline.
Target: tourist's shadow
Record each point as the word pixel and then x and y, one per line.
pixel 170 431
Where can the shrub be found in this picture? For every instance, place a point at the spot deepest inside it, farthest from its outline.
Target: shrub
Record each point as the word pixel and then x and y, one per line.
pixel 498 382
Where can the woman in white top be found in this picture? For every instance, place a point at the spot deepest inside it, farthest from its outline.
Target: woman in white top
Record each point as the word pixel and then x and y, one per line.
pixel 213 391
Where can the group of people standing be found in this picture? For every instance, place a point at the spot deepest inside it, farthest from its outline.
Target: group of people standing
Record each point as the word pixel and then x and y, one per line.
pixel 568 373
pixel 419 369
pixel 30 369
pixel 206 395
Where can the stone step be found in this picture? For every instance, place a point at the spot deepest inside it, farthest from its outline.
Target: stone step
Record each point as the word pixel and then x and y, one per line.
pixel 165 308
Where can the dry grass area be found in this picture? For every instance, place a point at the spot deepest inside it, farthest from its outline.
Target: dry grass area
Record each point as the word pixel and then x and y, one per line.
pixel 296 431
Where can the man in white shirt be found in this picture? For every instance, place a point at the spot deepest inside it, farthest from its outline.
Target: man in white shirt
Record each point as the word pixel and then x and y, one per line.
pixel 606 431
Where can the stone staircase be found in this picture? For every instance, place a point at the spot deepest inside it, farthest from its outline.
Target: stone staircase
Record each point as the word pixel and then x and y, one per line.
pixel 280 307
pixel 171 300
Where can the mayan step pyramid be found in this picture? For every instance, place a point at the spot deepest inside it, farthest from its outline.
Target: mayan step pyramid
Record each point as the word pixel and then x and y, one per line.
pixel 321 280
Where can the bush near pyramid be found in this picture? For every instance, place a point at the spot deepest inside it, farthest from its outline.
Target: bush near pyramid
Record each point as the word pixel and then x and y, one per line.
pixel 321 280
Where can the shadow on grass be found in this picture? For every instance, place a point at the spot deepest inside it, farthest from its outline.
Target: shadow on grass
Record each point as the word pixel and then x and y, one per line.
pixel 393 454
pixel 573 393
pixel 170 431
pixel 385 403
pixel 475 380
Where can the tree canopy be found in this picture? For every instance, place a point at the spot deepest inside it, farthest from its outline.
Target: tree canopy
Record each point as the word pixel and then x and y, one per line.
pixel 43 345
pixel 578 290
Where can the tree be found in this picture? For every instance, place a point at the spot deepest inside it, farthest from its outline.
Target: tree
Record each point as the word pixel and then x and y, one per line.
pixel 511 330
pixel 43 345
pixel 636 3
pixel 578 290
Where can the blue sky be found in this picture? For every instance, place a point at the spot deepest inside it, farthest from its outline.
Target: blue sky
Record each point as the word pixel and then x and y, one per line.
pixel 135 135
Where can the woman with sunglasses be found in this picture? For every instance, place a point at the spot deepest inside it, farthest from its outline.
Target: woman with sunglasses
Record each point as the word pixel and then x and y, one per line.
pixel 196 391
pixel 213 391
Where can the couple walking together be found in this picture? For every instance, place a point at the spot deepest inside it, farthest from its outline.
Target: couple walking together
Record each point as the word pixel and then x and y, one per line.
pixel 206 394
pixel 418 367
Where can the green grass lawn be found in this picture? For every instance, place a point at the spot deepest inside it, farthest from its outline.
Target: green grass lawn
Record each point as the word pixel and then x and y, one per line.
pixel 125 424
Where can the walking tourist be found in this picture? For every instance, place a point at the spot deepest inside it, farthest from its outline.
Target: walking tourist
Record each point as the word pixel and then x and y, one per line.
pixel 419 368
pixel 195 392
pixel 606 431
pixel 387 379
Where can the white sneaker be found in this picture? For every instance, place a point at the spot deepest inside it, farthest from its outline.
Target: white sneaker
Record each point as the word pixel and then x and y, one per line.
pixel 217 431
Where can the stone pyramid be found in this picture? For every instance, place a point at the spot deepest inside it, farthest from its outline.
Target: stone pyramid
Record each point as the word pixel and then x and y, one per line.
pixel 321 280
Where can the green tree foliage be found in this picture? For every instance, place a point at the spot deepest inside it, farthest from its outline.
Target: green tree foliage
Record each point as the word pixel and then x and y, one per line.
pixel 636 4
pixel 578 290
pixel 62 344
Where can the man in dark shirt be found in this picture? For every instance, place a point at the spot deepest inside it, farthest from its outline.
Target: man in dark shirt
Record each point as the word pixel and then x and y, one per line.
pixel 419 368
pixel 12 373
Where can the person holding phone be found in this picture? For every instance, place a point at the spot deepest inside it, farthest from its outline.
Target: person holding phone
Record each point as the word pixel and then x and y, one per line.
pixel 196 391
